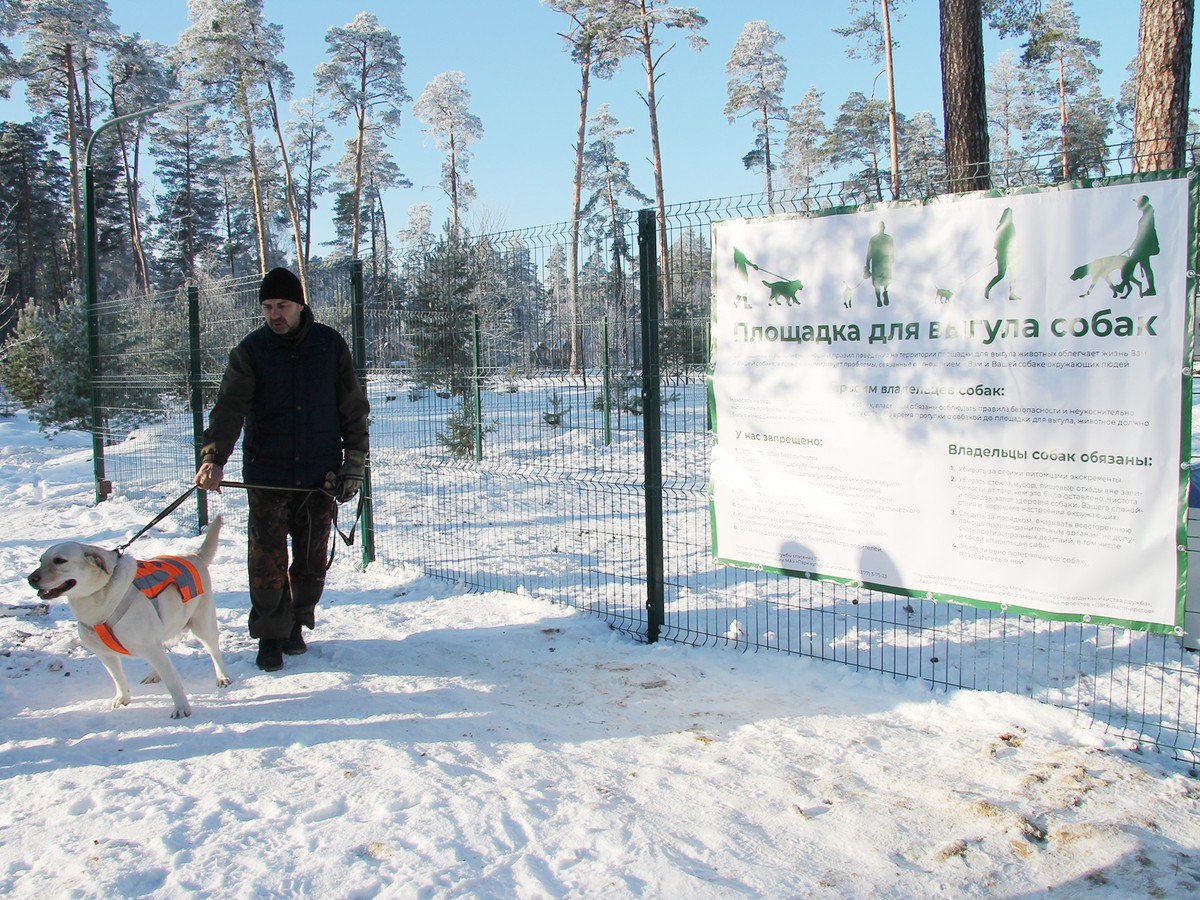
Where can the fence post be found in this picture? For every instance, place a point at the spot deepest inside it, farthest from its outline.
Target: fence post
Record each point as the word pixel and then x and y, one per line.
pixel 606 386
pixel 359 352
pixel 1191 607
pixel 476 381
pixel 651 424
pixel 196 394
pixel 103 485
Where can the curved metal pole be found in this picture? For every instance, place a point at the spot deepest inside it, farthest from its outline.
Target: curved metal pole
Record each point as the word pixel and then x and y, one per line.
pixel 92 281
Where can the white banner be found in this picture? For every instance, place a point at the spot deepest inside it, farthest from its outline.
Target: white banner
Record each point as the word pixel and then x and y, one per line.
pixel 984 399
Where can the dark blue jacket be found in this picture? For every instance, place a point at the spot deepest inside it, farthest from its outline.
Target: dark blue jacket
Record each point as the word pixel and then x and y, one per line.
pixel 299 400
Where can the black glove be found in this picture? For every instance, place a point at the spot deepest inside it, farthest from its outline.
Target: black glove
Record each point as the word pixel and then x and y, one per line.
pixel 347 481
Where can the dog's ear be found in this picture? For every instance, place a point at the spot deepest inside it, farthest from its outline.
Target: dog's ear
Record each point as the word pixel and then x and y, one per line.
pixel 96 558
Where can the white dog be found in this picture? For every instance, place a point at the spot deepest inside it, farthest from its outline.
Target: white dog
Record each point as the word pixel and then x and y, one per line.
pixel 129 608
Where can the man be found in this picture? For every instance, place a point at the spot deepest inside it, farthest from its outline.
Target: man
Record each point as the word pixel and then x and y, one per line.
pixel 292 384
pixel 881 254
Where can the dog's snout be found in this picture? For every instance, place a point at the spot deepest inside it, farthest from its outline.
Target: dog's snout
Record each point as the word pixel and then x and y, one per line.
pixel 34 579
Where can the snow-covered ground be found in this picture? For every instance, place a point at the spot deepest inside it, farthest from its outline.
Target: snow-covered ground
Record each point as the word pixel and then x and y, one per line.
pixel 435 743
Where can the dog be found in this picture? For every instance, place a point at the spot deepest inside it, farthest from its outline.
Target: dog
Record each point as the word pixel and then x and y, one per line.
pixel 126 607
pixel 1105 267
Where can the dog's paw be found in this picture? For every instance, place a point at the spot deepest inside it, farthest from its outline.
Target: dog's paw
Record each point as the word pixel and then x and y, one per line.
pixel 119 701
pixel 152 678
pixel 181 712
pixel 224 682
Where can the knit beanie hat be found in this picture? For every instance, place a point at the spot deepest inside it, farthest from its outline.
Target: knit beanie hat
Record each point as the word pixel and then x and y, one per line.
pixel 280 284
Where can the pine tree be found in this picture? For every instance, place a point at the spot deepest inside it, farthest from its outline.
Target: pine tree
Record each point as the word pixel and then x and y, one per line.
pixel 363 174
pixel 606 176
pixel 9 17
pixel 417 234
pixel 35 232
pixel 308 142
pixel 441 311
pixel 189 201
pixel 1060 60
pixel 804 153
pixel 872 31
pixel 860 136
pixel 643 21
pixel 231 54
pixel 137 79
pixel 24 358
pixel 756 73
pixel 444 107
pixel 596 42
pixel 364 79
pixel 62 47
pixel 1126 105
pixel 923 157
pixel 1006 105
pixel 240 212
pixel 64 401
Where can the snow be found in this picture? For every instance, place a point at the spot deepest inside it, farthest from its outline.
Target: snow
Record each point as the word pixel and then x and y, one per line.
pixel 435 743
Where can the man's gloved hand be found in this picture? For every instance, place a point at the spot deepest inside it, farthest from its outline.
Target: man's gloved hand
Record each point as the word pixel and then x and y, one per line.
pixel 347 481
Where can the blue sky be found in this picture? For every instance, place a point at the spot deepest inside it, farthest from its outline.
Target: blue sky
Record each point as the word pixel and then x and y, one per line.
pixel 524 88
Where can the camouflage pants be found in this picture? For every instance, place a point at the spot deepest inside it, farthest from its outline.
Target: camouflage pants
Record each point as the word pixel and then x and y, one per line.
pixel 281 595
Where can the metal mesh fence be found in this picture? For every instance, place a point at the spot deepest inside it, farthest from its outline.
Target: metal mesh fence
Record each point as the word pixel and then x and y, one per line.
pixel 508 454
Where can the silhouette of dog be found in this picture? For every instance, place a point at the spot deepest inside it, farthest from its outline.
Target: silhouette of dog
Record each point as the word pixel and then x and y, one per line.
pixel 1105 267
pixel 785 290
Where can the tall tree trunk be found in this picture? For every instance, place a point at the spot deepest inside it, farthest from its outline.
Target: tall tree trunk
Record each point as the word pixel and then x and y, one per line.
pixel 136 246
pixel 260 213
pixel 891 83
pixel 585 78
pixel 308 208
pixel 766 132
pixel 28 286
pixel 229 236
pixel 288 188
pixel 386 281
pixel 656 160
pixel 617 316
pixel 964 95
pixel 1062 111
pixel 74 153
pixel 360 146
pixel 1163 73
pixel 453 182
pixel 189 232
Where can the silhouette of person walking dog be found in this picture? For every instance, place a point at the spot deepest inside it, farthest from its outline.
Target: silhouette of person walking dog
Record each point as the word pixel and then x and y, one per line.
pixel 1144 246
pixel 1006 230
pixel 881 254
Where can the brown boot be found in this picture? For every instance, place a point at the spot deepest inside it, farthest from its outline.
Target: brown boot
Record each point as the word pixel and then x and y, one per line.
pixel 294 644
pixel 270 654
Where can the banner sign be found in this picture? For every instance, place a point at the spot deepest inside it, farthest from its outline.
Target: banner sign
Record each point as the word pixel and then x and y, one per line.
pixel 983 399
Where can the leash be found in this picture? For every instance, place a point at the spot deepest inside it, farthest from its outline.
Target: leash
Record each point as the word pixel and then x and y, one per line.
pixel 347 539
pixel 162 515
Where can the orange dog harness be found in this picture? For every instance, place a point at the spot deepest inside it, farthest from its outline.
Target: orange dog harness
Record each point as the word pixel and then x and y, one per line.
pixel 156 575
pixel 153 577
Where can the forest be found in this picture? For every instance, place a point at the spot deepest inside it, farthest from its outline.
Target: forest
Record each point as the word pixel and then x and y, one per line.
pixel 243 172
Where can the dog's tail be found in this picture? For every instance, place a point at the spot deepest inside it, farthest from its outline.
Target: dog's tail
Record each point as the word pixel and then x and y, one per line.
pixel 208 550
